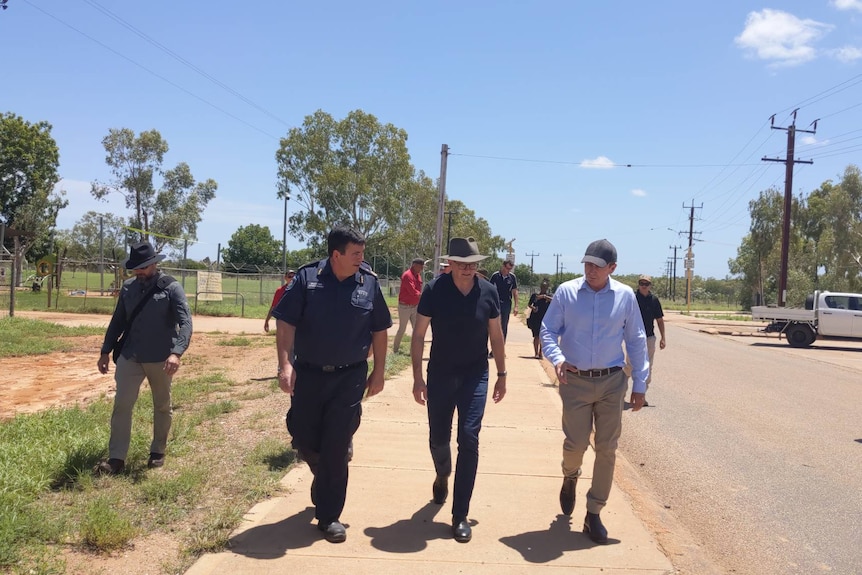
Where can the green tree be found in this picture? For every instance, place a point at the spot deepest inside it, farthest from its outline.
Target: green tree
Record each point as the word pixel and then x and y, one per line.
pixel 82 241
pixel 29 159
pixel 169 213
pixel 252 247
pixel 355 171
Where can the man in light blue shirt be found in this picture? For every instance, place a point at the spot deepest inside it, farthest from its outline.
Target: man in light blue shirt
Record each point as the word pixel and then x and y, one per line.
pixel 582 335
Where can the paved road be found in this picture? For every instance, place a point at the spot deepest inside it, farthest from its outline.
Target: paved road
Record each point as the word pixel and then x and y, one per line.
pixel 756 448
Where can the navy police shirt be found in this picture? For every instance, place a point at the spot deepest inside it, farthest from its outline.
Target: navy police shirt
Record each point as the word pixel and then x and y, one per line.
pixel 459 324
pixel 334 319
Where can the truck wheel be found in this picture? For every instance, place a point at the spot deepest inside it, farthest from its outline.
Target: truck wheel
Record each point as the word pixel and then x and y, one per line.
pixel 799 335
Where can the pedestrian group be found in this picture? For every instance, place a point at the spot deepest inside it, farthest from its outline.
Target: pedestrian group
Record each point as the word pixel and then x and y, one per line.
pixel 331 316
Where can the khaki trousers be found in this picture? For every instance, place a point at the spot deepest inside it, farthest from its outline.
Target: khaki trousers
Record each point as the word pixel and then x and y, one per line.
pixel 405 313
pixel 589 401
pixel 129 376
pixel 650 345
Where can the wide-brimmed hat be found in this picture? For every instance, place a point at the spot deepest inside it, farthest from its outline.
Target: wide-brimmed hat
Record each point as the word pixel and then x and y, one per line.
pixel 142 255
pixel 600 253
pixel 464 250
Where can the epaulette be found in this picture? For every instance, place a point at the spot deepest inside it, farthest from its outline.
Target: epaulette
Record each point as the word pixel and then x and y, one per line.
pixel 366 267
pixel 309 265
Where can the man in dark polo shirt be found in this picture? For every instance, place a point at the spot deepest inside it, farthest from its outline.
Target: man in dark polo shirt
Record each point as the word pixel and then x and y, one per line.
pixel 463 311
pixel 652 314
pixel 334 313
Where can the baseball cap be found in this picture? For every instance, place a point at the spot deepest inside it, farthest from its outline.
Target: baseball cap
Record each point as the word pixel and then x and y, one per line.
pixel 600 253
pixel 645 278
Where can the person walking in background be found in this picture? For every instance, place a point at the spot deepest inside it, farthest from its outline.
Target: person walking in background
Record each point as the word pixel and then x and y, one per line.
pixel 507 288
pixel 538 305
pixel 150 330
pixel 582 335
pixel 463 312
pixel 288 279
pixel 652 313
pixel 333 313
pixel 408 299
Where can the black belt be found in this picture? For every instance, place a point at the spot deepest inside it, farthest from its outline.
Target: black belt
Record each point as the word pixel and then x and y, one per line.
pixel 326 368
pixel 597 372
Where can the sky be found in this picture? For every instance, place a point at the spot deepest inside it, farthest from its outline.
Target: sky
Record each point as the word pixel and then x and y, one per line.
pixel 566 121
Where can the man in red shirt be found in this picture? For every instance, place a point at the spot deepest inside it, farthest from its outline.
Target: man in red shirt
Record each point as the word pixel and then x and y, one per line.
pixel 288 279
pixel 408 298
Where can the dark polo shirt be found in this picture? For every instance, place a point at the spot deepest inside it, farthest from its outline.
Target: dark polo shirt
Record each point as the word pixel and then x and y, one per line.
pixel 459 324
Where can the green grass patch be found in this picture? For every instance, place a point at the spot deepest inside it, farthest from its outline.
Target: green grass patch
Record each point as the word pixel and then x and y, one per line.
pixel 220 408
pixel 238 341
pixel 105 525
pixel 35 337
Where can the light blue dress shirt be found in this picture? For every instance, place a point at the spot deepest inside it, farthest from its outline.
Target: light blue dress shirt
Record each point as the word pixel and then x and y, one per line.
pixel 586 328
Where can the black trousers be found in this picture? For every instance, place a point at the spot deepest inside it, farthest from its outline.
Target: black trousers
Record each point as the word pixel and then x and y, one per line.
pixel 325 412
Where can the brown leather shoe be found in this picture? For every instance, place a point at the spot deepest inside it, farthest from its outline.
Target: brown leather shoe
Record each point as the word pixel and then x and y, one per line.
pixel 109 467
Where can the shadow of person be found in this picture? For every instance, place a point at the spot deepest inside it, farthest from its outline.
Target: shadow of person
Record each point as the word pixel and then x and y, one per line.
pixel 410 535
pixel 545 546
pixel 272 540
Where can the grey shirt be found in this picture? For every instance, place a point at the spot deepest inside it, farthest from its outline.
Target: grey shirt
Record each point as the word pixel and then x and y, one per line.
pixel 162 327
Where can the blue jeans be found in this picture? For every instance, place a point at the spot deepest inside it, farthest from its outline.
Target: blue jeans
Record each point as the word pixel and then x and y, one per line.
pixel 468 394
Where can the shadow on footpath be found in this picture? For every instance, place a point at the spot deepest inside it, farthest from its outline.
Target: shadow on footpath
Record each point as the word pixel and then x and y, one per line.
pixel 272 540
pixel 410 535
pixel 546 546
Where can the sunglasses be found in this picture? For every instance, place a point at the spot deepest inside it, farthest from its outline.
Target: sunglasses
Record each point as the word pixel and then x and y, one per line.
pixel 644 284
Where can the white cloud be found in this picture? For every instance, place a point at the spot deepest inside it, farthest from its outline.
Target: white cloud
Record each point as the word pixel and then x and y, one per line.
pixel 639 193
pixel 781 37
pixel 846 54
pixel 848 4
pixel 601 163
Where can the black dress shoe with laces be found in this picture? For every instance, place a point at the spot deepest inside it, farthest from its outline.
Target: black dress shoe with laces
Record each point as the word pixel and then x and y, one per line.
pixel 461 529
pixel 110 467
pixel 594 528
pixel 440 489
pixel 333 531
pixel 567 495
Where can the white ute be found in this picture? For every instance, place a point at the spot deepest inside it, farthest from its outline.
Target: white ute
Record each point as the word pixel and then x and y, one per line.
pixel 826 314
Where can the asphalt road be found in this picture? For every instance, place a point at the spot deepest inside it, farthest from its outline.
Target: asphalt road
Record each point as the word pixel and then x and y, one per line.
pixel 756 449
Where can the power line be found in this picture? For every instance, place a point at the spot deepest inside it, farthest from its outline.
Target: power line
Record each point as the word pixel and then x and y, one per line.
pixel 181 60
pixel 581 163
pixel 152 72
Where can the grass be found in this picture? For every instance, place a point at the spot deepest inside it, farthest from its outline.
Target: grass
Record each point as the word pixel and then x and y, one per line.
pixel 724 316
pixel 55 504
pixel 33 337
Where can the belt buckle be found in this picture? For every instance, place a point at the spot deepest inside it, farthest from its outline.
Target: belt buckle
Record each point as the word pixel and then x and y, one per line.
pixel 328 368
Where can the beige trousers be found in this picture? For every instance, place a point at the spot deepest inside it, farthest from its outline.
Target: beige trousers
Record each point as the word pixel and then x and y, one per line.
pixel 129 376
pixel 588 402
pixel 405 313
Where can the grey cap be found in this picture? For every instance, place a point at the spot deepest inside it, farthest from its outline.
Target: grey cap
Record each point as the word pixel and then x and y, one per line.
pixel 600 253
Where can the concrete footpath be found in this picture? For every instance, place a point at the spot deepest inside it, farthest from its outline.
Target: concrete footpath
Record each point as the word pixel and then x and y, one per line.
pixel 394 527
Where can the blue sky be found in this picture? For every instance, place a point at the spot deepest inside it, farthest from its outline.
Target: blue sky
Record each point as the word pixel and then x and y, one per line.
pixel 535 99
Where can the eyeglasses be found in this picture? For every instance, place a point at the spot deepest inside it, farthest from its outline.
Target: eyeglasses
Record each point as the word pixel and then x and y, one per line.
pixel 645 284
pixel 463 266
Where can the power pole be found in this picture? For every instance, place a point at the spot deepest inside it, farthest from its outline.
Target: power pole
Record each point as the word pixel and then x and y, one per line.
pixel 675 258
pixel 557 268
pixel 689 257
pixel 531 255
pixel 789 161
pixel 441 204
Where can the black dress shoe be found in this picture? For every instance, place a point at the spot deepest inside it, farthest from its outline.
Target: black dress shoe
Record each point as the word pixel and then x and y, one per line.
pixel 594 528
pixel 567 495
pixel 461 529
pixel 156 460
pixel 110 467
pixel 333 531
pixel 440 489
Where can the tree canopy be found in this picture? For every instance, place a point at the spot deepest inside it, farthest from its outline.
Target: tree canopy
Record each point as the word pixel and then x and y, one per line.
pixel 82 242
pixel 252 247
pixel 169 213
pixel 825 249
pixel 29 160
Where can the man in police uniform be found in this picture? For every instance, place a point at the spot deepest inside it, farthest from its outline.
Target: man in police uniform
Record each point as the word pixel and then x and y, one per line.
pixel 334 314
